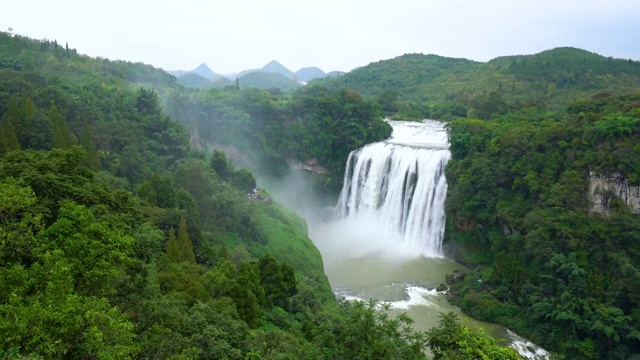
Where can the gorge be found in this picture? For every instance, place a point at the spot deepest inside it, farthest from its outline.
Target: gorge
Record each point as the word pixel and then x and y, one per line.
pixel 385 238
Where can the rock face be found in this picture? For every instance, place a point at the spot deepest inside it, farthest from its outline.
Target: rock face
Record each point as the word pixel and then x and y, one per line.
pixel 603 189
pixel 310 165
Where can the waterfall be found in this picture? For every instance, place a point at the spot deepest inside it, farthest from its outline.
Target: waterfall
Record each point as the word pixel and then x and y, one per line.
pixel 400 185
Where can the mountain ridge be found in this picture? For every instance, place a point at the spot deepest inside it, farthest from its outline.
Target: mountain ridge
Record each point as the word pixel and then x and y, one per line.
pixel 434 86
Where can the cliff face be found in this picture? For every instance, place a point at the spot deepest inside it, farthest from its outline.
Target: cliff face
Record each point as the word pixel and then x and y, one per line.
pixel 604 188
pixel 310 165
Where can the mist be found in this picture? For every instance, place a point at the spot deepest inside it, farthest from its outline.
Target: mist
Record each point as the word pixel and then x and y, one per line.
pixel 388 231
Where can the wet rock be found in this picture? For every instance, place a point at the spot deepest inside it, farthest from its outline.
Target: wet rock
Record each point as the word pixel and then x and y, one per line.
pixel 449 278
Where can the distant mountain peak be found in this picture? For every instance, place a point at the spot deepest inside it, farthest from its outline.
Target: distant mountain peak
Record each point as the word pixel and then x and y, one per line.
pixel 274 63
pixel 203 67
pixel 309 73
pixel 204 71
pixel 275 67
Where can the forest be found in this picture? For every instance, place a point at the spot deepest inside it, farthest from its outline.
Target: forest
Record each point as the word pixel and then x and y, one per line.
pixel 546 264
pixel 417 86
pixel 118 239
pixel 528 136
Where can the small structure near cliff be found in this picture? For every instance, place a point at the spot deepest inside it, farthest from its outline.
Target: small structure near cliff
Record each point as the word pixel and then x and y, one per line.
pixel 604 188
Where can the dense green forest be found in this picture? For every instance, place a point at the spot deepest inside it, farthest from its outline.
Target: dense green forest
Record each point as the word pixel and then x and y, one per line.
pixel 118 240
pixel 416 86
pixel 518 208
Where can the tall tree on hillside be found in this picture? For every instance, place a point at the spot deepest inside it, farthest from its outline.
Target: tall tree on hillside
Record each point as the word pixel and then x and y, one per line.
pixel 180 248
pixel 3 141
pixel 62 137
pixel 12 116
pixel 185 246
pixel 86 140
pixel 148 102
pixel 34 129
pixel 221 165
pixel 173 253
pixel 9 137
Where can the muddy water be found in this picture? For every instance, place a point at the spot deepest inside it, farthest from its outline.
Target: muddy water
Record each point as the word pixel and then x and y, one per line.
pixel 390 275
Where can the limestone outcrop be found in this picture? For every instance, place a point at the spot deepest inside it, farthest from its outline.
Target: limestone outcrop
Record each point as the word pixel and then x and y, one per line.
pixel 604 188
pixel 310 165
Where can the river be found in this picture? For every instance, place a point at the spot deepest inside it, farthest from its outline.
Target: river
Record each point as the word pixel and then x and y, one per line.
pixel 383 240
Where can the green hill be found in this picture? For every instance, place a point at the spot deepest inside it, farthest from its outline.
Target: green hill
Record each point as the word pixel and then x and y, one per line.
pixel 193 80
pixel 404 74
pixel 435 86
pixel 202 70
pixel 521 205
pixel 310 73
pixel 275 67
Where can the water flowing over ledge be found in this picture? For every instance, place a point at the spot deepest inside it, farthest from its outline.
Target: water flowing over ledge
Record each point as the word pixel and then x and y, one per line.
pixel 400 187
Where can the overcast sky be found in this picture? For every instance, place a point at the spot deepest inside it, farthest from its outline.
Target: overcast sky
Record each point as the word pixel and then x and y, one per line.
pixel 234 35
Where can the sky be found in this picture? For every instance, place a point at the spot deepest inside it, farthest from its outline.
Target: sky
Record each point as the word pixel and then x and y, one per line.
pixel 235 35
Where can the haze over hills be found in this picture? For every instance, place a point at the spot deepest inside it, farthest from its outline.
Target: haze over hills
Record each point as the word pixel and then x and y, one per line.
pixel 267 80
pixel 275 67
pixel 202 70
pixel 433 86
pixel 309 73
pixel 203 76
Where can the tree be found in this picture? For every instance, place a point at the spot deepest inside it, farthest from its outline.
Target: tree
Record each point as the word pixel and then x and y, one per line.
pixel 159 191
pixel 10 138
pixel 173 250
pixel 221 165
pixel 86 141
pixel 62 137
pixel 388 100
pixel 278 281
pixel 185 246
pixel 367 331
pixel 248 295
pixel 53 294
pixel 244 180
pixel 452 341
pixel 10 141
pixel 148 102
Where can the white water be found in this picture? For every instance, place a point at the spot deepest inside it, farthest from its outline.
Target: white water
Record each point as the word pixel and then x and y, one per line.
pixel 399 187
pixel 366 251
pixel 526 348
pixel 390 225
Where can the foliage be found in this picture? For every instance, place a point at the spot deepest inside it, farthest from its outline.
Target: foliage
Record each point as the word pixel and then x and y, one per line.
pixel 90 269
pixel 552 268
pixel 416 86
pixel 451 340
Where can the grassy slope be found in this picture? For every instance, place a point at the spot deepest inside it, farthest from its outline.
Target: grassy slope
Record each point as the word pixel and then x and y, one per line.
pixel 285 237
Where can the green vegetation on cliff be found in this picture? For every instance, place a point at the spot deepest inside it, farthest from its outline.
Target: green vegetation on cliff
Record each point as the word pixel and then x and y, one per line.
pixel 518 206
